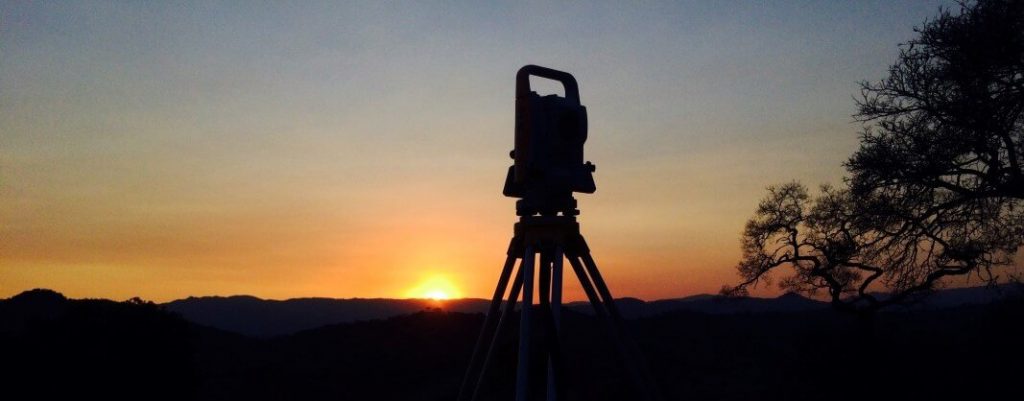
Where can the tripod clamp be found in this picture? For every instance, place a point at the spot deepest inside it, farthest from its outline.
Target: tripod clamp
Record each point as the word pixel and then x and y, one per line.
pixel 546 233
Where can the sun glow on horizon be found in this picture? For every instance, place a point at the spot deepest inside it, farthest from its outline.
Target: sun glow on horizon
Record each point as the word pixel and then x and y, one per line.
pixel 436 287
pixel 437 295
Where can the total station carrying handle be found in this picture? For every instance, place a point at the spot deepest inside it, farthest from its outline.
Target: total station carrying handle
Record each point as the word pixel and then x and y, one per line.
pixel 572 91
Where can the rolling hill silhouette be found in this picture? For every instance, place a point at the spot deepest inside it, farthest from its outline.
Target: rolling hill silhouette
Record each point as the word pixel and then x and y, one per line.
pixel 53 348
pixel 262 318
pixel 786 348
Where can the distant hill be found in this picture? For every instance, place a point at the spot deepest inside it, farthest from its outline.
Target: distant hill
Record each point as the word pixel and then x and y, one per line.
pixel 792 302
pixel 59 348
pixel 55 348
pixel 955 297
pixel 711 304
pixel 262 318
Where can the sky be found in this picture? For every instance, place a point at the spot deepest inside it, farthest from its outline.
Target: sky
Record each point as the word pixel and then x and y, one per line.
pixel 358 149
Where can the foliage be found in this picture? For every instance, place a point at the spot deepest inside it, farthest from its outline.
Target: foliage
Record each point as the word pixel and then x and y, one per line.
pixel 940 157
pixel 936 188
pixel 833 243
pixel 822 239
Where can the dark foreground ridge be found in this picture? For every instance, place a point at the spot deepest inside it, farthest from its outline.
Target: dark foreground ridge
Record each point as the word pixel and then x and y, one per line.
pixel 98 349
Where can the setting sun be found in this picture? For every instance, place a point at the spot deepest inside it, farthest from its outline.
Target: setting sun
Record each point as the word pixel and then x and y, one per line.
pixel 435 287
pixel 437 295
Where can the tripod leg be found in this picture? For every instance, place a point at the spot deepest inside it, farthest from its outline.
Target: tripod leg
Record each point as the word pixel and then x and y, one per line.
pixel 639 368
pixel 492 311
pixel 555 362
pixel 510 306
pixel 588 287
pixel 544 299
pixel 544 279
pixel 602 288
pixel 523 368
pixel 601 310
pixel 556 287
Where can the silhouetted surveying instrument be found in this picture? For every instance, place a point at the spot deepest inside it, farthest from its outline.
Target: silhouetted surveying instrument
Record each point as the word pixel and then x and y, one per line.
pixel 549 135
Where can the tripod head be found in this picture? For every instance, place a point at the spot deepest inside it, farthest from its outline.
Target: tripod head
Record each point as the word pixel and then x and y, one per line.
pixel 549 135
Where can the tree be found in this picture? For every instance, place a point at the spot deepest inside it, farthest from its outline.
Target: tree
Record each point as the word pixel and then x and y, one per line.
pixel 949 116
pixel 811 236
pixel 941 152
pixel 826 241
pixel 936 188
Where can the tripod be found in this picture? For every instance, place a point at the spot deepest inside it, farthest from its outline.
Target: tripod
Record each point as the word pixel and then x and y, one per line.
pixel 554 238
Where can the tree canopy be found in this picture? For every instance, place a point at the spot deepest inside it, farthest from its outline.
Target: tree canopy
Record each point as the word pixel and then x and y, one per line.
pixel 935 189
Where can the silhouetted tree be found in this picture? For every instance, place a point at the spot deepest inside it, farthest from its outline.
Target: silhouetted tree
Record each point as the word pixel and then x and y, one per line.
pixel 936 188
pixel 834 243
pixel 949 116
pixel 939 167
pixel 823 240
pixel 140 302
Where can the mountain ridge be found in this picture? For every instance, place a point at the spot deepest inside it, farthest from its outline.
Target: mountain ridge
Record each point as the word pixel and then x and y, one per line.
pixel 93 348
pixel 280 317
pixel 267 318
